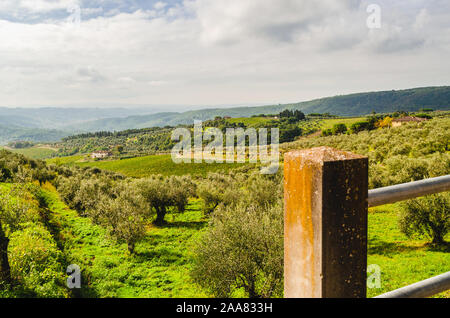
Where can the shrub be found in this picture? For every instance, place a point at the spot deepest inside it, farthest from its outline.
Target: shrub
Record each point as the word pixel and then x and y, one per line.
pixel 359 126
pixel 14 211
pixel 243 248
pixel 423 115
pixel 263 190
pixel 327 132
pixel 36 262
pixel 68 188
pixel 428 216
pixel 339 129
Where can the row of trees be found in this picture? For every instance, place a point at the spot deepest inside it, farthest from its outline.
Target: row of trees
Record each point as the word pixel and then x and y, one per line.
pixel 125 206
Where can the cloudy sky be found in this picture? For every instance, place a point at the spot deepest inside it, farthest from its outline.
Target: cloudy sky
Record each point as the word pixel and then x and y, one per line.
pixel 215 52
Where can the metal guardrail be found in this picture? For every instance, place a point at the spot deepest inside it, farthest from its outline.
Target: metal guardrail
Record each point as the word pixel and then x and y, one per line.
pixel 408 191
pixel 425 288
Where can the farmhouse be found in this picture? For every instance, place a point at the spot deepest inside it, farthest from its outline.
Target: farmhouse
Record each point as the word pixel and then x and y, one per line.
pixel 404 120
pixel 101 154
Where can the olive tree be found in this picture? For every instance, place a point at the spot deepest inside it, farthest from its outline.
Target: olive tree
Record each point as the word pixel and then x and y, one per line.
pixel 156 192
pixel 428 216
pixel 243 248
pixel 90 193
pixel 165 195
pixel 181 189
pixel 217 189
pixel 68 188
pixel 124 216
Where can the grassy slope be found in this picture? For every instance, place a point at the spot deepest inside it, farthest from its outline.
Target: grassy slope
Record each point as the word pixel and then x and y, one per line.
pixel 34 152
pixel 160 267
pixel 145 166
pixel 403 261
pixel 163 258
pixel 249 122
pixel 329 123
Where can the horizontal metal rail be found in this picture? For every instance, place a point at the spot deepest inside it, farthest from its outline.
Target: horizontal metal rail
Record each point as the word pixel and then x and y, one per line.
pixel 425 288
pixel 408 191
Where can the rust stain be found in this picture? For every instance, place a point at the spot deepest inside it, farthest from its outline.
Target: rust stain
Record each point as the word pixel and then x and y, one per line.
pixel 299 228
pixel 303 173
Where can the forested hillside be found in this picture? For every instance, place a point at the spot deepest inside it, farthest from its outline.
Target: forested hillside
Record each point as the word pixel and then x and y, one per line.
pixel 12 133
pixel 135 142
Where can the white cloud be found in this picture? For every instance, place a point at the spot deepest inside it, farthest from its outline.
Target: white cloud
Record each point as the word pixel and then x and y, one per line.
pixel 160 5
pixel 24 7
pixel 231 21
pixel 220 51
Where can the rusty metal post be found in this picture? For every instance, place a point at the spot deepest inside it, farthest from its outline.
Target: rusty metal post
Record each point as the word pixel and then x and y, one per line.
pixel 325 240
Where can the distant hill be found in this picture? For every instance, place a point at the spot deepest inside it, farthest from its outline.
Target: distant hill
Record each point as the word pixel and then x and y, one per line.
pixel 60 118
pixel 50 124
pixel 14 133
pixel 359 104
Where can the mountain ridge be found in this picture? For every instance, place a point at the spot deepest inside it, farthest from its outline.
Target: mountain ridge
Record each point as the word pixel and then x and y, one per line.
pixel 357 104
pixel 53 123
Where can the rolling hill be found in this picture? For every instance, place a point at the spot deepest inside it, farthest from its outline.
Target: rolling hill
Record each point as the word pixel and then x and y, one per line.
pixel 359 104
pixel 51 124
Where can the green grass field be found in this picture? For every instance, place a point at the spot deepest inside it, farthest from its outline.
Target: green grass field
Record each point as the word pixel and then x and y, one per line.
pixel 159 268
pixel 249 122
pixel 161 265
pixel 163 259
pixel 149 165
pixel 34 152
pixel 329 123
pixel 402 261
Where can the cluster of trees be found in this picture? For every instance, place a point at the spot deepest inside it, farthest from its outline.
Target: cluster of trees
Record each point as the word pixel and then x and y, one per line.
pixel 16 168
pixel 336 130
pixel 21 144
pixel 297 115
pixel 288 125
pixel 126 206
pixel 242 248
pixel 133 141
